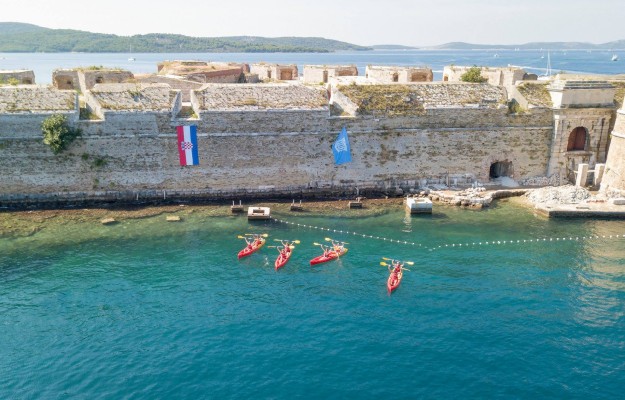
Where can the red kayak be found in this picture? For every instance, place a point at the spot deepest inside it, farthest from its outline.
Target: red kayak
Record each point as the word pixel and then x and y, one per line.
pixel 249 249
pixel 329 257
pixel 283 257
pixel 394 279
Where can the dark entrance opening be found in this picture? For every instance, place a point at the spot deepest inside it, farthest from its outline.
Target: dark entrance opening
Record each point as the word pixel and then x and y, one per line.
pixel 577 139
pixel 395 77
pixel 500 168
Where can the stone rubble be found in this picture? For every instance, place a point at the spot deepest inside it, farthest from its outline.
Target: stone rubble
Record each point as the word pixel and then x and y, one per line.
pixel 559 195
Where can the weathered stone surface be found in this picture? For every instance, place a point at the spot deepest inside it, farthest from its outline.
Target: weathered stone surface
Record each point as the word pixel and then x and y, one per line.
pixel 34 99
pixel 265 96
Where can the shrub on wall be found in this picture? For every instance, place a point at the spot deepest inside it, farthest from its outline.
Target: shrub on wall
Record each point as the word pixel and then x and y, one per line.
pixel 474 75
pixel 57 133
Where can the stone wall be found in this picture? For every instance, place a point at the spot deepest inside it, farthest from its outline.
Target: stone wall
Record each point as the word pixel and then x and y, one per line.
pixel 323 73
pixel 499 76
pixel 385 75
pixel 614 175
pixel 22 77
pixel 276 72
pixel 275 138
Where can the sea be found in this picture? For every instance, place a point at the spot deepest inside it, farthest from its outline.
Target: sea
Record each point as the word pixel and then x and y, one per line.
pixel 500 303
pixel 534 61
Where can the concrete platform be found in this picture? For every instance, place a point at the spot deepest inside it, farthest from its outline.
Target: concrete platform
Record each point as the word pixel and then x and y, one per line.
pixel 258 213
pixel 584 210
pixel 420 205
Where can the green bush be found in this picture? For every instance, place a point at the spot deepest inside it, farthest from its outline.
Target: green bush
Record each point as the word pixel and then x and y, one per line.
pixel 57 133
pixel 473 75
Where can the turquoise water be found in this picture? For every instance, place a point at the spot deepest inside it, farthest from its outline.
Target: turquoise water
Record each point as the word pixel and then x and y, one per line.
pixel 534 61
pixel 147 309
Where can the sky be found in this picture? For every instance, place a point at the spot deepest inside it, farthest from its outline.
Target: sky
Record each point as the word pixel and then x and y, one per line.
pixel 363 22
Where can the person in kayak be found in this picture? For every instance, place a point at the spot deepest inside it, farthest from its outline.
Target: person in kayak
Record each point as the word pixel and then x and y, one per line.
pixel 251 240
pixel 337 247
pixel 395 267
pixel 327 251
pixel 286 247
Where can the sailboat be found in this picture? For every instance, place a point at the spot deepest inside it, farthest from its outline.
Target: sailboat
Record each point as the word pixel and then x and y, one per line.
pixel 614 57
pixel 547 75
pixel 131 58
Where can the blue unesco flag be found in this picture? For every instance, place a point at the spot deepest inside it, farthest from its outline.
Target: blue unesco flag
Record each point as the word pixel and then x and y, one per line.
pixel 341 150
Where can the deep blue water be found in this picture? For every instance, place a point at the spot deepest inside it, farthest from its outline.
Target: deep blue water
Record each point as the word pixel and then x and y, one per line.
pixel 597 61
pixel 147 309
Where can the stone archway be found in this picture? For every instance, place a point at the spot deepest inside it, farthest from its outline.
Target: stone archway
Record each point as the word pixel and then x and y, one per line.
pixel 500 169
pixel 578 139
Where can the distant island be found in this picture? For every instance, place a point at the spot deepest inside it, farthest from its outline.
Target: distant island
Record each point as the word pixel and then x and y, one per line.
pixel 27 38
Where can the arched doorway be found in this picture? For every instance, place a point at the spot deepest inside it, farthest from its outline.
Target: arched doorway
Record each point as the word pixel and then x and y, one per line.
pixel 499 169
pixel 578 139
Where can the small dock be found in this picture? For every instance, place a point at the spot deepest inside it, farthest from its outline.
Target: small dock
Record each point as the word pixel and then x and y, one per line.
pixel 108 221
pixel 614 209
pixel 356 204
pixel 297 207
pixel 258 213
pixel 172 218
pixel 419 205
pixel 236 209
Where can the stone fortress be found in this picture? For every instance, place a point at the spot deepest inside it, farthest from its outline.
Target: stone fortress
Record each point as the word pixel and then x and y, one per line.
pixel 266 131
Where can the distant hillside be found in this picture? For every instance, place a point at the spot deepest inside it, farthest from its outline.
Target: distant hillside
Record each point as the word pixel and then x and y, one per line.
pixel 619 44
pixel 27 38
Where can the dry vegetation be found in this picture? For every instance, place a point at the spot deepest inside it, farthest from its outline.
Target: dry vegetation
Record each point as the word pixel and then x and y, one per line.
pixel 536 94
pixel 387 99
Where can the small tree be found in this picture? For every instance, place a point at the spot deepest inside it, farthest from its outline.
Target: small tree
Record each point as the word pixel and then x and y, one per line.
pixel 474 75
pixel 57 133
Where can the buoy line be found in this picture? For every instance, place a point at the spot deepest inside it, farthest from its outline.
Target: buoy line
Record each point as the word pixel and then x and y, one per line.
pixel 321 228
pixel 522 241
pixel 455 245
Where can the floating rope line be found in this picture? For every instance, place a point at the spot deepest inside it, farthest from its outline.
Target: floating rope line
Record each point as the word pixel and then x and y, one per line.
pixel 456 245
pixel 348 233
pixel 522 241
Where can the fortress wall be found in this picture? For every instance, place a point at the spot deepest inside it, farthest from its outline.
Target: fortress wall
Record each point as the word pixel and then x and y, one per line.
pixel 26 126
pixel 614 176
pixel 264 121
pixel 288 150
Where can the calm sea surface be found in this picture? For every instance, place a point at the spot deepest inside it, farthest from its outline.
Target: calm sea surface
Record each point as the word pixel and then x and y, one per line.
pixel 597 61
pixel 147 309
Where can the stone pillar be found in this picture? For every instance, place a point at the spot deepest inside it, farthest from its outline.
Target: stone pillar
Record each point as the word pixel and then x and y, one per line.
pixel 582 175
pixel 599 168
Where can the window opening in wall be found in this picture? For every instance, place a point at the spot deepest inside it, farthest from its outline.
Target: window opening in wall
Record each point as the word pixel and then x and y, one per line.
pixel 445 78
pixel 499 169
pixel 577 139
pixel 395 77
pixel 269 74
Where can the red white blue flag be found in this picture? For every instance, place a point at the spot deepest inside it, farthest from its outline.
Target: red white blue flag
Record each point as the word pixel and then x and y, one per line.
pixel 187 145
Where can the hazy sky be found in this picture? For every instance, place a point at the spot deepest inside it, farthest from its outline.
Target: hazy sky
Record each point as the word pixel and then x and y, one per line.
pixel 365 22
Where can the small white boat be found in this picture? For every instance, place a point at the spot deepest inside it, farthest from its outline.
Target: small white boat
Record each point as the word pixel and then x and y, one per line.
pixel 419 205
pixel 131 59
pixel 614 57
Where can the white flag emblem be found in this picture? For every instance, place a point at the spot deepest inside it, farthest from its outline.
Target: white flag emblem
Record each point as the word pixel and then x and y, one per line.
pixel 340 145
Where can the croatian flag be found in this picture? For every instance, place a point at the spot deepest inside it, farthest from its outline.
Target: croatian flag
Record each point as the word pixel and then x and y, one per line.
pixel 187 145
pixel 341 150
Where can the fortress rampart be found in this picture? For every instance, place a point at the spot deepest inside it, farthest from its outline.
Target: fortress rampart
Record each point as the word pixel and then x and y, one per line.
pixel 274 139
